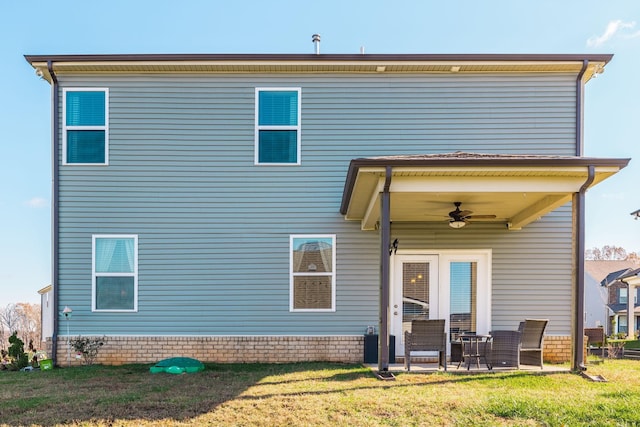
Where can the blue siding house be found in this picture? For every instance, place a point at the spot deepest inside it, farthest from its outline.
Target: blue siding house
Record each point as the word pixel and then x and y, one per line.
pixel 240 208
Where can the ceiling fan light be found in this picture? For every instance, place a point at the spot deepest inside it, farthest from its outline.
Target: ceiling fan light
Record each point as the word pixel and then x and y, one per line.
pixel 457 224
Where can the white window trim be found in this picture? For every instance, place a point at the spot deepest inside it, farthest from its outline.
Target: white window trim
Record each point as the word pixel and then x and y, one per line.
pixel 66 128
pixel 134 274
pixel 332 274
pixel 258 128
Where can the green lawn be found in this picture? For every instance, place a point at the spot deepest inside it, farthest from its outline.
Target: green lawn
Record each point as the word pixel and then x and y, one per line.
pixel 318 394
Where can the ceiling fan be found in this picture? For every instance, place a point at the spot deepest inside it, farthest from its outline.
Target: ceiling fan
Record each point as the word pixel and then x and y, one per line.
pixel 459 218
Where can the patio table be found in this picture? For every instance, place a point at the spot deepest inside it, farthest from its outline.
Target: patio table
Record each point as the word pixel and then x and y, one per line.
pixel 475 346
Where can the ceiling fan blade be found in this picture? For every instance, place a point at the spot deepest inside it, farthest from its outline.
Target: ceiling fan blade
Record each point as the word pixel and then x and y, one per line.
pixel 481 217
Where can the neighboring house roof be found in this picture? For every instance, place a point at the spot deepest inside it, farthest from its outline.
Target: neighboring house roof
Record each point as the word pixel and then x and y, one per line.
pixel 45 289
pixel 606 269
pixel 622 308
pixel 587 65
pixel 634 272
pixel 631 278
pixel 620 277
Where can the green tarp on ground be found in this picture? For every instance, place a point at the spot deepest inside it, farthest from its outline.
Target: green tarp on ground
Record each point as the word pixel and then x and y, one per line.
pixel 177 365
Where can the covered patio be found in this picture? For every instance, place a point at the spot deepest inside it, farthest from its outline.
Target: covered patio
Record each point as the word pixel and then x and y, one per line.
pixel 509 190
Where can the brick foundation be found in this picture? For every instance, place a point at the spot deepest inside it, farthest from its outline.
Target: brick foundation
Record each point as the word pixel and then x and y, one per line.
pixel 557 349
pixel 123 350
pixel 346 349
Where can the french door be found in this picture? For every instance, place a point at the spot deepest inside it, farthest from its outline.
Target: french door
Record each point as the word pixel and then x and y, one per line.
pixel 450 285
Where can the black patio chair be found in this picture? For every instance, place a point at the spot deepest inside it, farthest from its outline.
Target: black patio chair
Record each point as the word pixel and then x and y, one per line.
pixel 505 350
pixel 532 341
pixel 426 335
pixel 596 336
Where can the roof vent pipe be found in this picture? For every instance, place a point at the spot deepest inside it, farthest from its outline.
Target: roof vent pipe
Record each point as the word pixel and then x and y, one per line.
pixel 316 41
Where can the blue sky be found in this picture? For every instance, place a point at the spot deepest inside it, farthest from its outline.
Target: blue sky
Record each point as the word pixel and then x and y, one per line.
pixel 612 114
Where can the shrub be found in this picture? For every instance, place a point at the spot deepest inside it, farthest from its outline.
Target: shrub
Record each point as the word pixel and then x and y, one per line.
pixel 614 349
pixel 88 348
pixel 18 358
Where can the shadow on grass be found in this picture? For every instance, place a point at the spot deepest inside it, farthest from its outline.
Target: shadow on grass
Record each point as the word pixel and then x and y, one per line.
pixel 112 394
pixel 103 394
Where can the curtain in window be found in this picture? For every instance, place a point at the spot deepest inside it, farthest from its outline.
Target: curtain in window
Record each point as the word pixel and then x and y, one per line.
pixel 114 255
pixel 115 273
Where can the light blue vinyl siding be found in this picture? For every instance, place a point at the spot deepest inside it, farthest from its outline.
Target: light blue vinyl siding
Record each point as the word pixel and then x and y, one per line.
pixel 214 228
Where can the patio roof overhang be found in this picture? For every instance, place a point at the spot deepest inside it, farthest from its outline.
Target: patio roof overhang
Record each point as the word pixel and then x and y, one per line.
pixel 517 189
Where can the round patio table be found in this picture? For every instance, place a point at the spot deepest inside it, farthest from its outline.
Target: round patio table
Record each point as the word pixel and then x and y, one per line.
pixel 475 346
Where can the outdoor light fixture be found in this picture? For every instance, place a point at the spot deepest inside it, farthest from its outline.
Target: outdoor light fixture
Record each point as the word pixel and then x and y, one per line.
pixel 457 224
pixel 67 314
pixel 393 247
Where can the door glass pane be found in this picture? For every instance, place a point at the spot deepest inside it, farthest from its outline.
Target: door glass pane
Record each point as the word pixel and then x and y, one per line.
pixel 463 279
pixel 415 293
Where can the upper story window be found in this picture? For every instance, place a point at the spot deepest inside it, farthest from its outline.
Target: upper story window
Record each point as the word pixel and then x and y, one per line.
pixel 313 276
pixel 277 133
pixel 115 273
pixel 622 296
pixel 85 126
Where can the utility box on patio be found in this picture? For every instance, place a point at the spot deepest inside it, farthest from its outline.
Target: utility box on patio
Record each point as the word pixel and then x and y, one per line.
pixel 371 348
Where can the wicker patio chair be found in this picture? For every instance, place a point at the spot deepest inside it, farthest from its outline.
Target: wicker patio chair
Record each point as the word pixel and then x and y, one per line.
pixel 531 341
pixel 505 351
pixel 596 336
pixel 426 335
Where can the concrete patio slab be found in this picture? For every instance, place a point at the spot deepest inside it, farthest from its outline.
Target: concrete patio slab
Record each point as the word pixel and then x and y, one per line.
pixel 452 368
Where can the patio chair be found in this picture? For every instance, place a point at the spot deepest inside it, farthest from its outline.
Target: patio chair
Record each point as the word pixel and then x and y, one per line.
pixel 531 341
pixel 596 336
pixel 426 335
pixel 505 351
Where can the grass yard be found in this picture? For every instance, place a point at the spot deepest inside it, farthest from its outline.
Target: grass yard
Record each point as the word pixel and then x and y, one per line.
pixel 312 394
